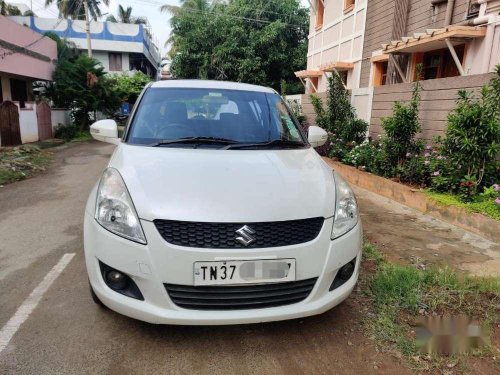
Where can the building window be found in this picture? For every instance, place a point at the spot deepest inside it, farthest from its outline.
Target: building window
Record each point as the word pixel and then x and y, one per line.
pixel 439 63
pixel 349 5
pixel 320 13
pixel 19 91
pixel 380 73
pixel 115 62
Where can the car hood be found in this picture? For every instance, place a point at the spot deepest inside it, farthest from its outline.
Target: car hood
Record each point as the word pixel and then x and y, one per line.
pixel 211 185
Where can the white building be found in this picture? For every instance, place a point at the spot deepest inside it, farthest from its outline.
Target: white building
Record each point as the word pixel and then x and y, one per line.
pixel 120 47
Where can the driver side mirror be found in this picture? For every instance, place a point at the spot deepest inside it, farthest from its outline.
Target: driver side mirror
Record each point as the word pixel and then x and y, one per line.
pixel 317 137
pixel 105 131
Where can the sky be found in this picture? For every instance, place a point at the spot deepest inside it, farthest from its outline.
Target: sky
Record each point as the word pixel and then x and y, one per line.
pixel 144 8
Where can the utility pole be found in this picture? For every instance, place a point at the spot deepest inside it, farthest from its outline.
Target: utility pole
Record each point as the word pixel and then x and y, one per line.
pixel 87 27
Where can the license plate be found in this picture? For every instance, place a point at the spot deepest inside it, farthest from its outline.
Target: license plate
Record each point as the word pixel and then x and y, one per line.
pixel 244 272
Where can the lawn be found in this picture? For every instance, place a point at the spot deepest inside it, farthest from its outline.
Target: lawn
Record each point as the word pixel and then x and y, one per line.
pixel 481 205
pixel 18 163
pixel 401 296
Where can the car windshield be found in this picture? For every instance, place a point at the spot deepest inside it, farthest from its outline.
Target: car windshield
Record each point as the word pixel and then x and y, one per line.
pixel 179 116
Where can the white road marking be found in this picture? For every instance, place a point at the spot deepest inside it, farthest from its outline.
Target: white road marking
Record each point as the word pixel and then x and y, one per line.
pixel 30 303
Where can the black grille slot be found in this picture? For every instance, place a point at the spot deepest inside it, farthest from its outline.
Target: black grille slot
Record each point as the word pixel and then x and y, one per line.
pixel 239 297
pixel 223 235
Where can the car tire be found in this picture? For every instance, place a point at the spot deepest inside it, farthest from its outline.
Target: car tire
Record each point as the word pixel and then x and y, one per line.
pixel 96 299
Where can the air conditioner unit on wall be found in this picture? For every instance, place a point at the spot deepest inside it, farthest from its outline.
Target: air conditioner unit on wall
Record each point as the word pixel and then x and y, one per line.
pixel 473 8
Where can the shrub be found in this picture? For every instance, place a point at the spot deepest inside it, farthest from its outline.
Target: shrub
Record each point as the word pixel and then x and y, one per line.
pixel 321 115
pixel 338 118
pixel 340 112
pixel 81 85
pixel 354 131
pixel 473 134
pixel 365 156
pixel 400 130
pixel 415 170
pixel 66 132
pixel 468 188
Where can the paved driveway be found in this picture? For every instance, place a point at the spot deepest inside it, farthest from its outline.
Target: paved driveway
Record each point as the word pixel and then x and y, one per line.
pixel 60 330
pixel 50 325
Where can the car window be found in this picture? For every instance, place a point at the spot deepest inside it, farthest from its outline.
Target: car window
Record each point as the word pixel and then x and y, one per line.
pixel 166 114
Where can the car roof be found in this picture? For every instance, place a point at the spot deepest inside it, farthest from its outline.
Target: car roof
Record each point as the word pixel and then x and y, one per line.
pixel 207 84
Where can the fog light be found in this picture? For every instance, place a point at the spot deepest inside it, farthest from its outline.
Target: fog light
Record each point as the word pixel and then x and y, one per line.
pixel 116 280
pixel 346 272
pixel 120 282
pixel 343 274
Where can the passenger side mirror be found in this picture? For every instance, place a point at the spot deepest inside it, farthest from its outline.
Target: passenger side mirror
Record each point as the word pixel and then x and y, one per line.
pixel 317 137
pixel 105 131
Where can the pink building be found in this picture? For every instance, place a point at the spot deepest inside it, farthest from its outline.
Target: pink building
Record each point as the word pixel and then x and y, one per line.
pixel 25 56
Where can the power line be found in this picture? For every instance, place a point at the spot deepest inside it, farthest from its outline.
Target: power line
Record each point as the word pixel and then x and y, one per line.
pixel 5 54
pixel 152 2
pixel 44 7
pixel 212 12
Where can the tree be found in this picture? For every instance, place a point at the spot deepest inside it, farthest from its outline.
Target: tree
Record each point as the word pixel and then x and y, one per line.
pixel 8 9
pixel 75 9
pixel 125 16
pixel 254 41
pixel 65 49
pixel 128 87
pixel 80 84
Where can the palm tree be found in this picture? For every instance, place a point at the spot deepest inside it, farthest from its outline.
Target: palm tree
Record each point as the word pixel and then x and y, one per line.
pixel 125 16
pixel 9 10
pixel 75 9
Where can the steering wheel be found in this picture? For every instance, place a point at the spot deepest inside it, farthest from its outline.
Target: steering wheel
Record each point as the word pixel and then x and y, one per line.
pixel 198 117
pixel 183 129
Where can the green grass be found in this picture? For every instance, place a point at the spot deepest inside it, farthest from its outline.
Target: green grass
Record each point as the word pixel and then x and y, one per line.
pixel 82 136
pixel 487 207
pixel 18 163
pixel 371 252
pixel 403 293
pixel 8 176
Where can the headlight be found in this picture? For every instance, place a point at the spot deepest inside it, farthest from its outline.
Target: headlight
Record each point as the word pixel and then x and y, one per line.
pixel 114 208
pixel 346 208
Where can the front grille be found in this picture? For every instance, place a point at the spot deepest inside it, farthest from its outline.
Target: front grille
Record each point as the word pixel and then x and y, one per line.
pixel 223 235
pixel 239 297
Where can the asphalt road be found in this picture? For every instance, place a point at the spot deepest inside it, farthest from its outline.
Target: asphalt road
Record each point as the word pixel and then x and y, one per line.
pixel 60 330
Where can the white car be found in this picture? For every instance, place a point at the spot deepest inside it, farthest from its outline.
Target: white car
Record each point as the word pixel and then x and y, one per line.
pixel 210 217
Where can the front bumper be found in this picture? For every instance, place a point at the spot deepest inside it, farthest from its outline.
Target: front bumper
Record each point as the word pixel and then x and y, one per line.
pixel 158 262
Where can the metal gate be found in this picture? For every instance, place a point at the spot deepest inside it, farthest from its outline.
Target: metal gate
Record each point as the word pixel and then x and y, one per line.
pixel 43 116
pixel 10 133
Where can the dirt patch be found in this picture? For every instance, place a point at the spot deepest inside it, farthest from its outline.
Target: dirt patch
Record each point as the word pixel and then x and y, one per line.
pixel 438 306
pixel 19 163
pixel 406 236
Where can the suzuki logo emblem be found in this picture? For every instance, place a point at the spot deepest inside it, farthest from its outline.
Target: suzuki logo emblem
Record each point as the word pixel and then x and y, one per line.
pixel 245 235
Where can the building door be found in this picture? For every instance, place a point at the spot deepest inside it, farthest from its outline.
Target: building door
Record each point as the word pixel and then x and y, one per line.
pixel 10 133
pixel 43 116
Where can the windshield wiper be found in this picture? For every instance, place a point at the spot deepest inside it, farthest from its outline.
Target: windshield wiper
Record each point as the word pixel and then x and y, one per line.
pixel 274 143
pixel 197 140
